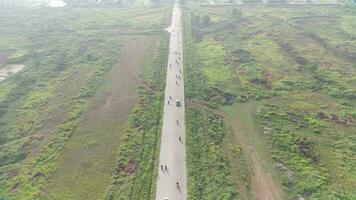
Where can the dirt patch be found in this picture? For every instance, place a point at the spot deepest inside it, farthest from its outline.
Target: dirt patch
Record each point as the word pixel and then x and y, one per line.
pixel 14 188
pixel 9 70
pixel 129 168
pixel 262 82
pixel 119 97
pixel 36 177
pixel 263 185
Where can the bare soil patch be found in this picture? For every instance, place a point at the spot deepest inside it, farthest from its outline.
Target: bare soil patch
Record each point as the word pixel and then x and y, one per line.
pixel 263 185
pixel 116 101
pixel 129 168
pixel 9 70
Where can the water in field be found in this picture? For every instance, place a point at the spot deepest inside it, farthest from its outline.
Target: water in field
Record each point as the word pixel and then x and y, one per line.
pixel 8 70
pixel 56 3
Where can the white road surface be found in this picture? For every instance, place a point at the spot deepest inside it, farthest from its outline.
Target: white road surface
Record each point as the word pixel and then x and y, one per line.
pixel 172 152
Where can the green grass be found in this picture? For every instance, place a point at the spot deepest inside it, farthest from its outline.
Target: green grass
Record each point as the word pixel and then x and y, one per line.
pixel 141 140
pixel 208 173
pixel 66 63
pixel 294 68
pixel 19 54
pixel 240 117
pixel 212 62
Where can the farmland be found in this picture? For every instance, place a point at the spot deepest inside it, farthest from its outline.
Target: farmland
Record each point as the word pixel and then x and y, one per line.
pixel 271 96
pixel 69 118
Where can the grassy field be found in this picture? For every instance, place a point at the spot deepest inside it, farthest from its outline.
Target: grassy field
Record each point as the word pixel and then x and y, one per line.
pixel 208 172
pixel 68 120
pixel 283 80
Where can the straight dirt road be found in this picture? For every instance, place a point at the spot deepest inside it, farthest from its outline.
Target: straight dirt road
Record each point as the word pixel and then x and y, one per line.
pixel 172 178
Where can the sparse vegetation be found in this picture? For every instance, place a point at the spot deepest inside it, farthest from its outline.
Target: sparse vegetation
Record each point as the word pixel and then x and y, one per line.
pixel 136 172
pixel 66 64
pixel 293 70
pixel 270 99
pixel 208 173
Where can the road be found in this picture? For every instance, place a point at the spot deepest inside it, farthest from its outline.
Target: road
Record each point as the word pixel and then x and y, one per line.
pixel 172 152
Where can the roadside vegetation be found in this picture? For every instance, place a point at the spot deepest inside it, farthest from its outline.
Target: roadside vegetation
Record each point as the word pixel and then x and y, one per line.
pixel 283 81
pixel 208 173
pixel 136 172
pixel 67 56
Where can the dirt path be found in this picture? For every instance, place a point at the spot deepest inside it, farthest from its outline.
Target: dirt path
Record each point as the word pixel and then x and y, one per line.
pixel 263 185
pixel 172 151
pixel 262 182
pixel 86 169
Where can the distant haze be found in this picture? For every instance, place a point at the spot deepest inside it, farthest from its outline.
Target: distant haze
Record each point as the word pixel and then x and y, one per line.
pixel 56 3
pixel 16 3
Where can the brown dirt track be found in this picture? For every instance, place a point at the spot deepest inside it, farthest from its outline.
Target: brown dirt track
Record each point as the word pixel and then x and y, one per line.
pixel 264 185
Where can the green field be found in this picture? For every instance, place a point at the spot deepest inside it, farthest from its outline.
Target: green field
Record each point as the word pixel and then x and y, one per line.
pixel 69 120
pixel 282 79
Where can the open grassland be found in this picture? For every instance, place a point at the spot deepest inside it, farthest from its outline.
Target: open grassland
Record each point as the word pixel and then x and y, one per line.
pixel 68 124
pixel 208 172
pixel 284 80
pixel 136 172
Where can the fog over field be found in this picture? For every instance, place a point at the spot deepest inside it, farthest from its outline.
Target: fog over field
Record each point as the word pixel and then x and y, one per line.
pixel 186 99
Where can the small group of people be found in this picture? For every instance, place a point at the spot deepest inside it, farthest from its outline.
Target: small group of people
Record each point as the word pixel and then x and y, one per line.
pixel 164 168
pixel 178 76
pixel 169 100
